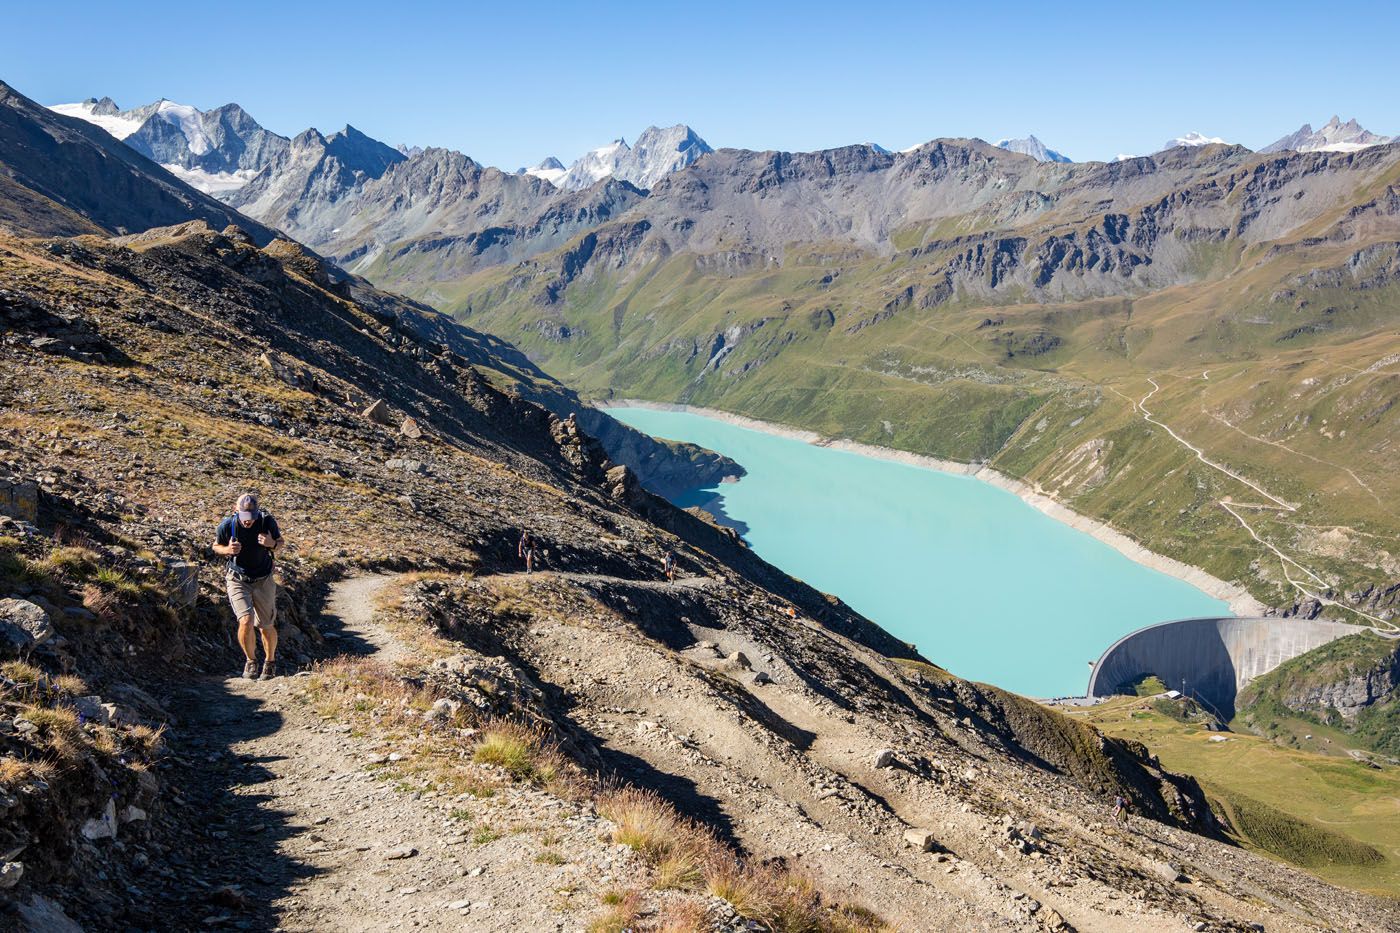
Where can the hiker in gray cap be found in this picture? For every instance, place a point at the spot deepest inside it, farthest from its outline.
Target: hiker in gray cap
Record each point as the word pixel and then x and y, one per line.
pixel 249 538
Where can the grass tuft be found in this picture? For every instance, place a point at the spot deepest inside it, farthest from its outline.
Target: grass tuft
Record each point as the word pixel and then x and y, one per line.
pixel 510 746
pixel 70 685
pixel 623 913
pixel 22 673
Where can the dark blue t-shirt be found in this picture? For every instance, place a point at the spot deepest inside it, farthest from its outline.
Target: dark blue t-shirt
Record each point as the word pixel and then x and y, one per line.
pixel 254 560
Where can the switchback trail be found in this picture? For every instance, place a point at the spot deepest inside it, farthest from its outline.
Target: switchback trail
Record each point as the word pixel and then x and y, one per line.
pixel 1275 504
pixel 285 825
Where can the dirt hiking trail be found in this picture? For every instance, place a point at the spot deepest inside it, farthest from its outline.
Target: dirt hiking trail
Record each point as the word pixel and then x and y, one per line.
pixel 288 828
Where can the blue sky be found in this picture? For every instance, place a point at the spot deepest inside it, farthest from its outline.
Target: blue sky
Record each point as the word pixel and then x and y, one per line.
pixel 511 83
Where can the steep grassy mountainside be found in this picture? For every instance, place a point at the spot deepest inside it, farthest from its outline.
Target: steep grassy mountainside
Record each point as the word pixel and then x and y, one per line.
pixel 1351 685
pixel 1199 347
pixel 149 378
pixel 1311 804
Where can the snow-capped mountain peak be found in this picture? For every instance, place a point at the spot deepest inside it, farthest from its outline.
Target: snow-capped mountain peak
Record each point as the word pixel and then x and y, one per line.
pixel 1193 139
pixel 658 152
pixel 1034 148
pixel 1335 136
pixel 217 151
pixel 550 169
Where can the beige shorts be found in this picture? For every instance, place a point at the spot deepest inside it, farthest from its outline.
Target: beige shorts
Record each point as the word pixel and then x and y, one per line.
pixel 259 596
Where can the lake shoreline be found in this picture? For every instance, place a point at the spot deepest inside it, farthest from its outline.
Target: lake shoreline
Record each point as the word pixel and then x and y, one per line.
pixel 1240 601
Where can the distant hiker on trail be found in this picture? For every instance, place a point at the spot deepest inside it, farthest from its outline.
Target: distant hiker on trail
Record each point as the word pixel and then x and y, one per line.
pixel 1120 809
pixel 249 538
pixel 528 550
pixel 668 565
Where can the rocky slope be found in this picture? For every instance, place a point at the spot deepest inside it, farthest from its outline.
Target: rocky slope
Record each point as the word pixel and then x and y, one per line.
pixel 790 727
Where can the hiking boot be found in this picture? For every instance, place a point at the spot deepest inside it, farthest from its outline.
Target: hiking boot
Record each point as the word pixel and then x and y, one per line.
pixel 250 670
pixel 269 670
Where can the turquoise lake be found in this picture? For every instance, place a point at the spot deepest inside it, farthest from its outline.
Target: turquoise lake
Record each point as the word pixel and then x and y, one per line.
pixel 982 583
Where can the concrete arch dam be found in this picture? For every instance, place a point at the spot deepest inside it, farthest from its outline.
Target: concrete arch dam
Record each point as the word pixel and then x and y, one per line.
pixel 1210 659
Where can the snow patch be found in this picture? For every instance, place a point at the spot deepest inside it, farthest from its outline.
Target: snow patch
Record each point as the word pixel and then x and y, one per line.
pixel 211 182
pixel 117 125
pixel 551 175
pixel 187 119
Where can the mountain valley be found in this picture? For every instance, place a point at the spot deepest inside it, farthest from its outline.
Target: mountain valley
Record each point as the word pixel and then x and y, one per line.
pixel 401 350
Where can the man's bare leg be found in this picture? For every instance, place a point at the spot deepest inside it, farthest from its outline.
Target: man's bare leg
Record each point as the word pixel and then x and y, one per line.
pixel 246 639
pixel 249 643
pixel 269 640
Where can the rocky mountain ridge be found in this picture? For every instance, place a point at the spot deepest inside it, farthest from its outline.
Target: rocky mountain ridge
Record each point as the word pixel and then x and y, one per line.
pixel 1334 136
pixel 656 153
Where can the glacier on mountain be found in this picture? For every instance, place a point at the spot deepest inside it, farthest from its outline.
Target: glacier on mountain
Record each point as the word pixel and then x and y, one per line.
pixel 105 114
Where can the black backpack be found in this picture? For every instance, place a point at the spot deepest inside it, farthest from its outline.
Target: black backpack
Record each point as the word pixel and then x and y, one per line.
pixel 259 525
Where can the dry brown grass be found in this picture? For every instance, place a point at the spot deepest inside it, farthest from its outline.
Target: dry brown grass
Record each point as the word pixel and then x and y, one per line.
pixel 70 685
pixel 733 881
pixel 681 871
pixel 680 852
pixel 21 673
pixel 53 720
pixel 525 753
pixel 684 916
pixel 106 742
pixel 350 686
pixel 100 602
pixel 61 734
pixel 13 772
pixel 72 564
pixel 148 741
